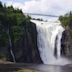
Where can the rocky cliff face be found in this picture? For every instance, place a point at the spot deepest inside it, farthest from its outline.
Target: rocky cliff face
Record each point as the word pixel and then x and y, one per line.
pixel 26 50
pixel 67 42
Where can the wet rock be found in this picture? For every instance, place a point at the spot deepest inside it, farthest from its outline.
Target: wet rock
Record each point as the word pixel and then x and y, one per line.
pixel 66 42
pixel 26 50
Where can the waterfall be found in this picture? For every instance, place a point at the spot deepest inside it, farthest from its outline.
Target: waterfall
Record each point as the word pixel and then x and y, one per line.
pixel 10 43
pixel 48 37
pixel 12 55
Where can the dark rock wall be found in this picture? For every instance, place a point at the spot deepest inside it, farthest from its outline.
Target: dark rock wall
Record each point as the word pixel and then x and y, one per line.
pixel 26 50
pixel 66 42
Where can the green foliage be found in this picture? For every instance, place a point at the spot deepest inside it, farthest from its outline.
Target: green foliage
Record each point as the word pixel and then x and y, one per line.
pixel 66 19
pixel 11 25
pixel 26 70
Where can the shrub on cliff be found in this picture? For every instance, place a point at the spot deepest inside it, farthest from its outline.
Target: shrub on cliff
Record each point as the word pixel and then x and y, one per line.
pixel 11 27
pixel 18 36
pixel 66 20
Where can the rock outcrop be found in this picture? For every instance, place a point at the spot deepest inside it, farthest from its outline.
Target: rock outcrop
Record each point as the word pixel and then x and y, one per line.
pixel 26 50
pixel 67 42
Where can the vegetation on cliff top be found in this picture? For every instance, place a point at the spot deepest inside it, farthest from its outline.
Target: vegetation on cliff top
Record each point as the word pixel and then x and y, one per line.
pixel 66 20
pixel 11 26
pixel 18 36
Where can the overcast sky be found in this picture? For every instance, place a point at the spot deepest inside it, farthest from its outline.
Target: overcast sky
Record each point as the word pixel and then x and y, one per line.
pixel 52 7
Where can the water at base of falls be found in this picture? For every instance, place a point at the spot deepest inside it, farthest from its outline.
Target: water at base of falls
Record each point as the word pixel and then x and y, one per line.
pixel 46 39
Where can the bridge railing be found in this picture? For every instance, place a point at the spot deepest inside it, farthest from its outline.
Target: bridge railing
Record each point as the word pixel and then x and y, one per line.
pixel 41 14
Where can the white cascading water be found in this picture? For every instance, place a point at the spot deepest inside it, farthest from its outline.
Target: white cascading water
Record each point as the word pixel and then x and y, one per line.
pixel 12 55
pixel 46 38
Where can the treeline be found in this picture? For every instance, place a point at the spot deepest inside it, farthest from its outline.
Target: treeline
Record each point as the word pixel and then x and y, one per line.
pixel 12 23
pixel 66 20
pixel 18 36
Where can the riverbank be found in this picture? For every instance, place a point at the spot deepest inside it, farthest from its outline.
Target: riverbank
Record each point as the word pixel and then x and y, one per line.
pixel 15 67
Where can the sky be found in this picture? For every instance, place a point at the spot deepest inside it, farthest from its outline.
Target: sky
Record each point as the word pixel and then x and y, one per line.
pixel 49 7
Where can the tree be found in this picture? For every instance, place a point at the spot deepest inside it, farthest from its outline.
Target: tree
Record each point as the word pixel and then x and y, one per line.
pixel 11 27
pixel 66 20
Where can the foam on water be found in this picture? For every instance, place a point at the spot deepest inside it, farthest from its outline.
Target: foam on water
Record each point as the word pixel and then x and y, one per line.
pixel 46 38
